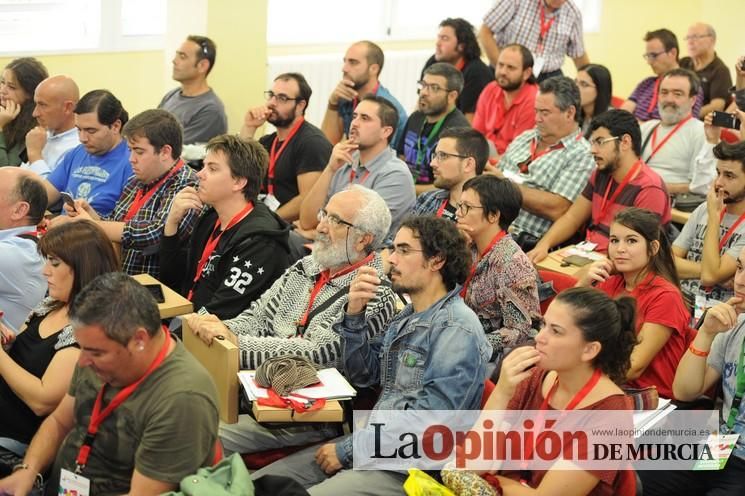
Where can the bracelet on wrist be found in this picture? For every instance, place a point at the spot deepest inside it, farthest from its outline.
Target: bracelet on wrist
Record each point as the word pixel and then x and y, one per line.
pixel 38 480
pixel 697 352
pixel 333 106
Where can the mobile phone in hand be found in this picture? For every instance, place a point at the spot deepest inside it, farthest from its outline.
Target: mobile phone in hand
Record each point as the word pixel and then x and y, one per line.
pixel 69 200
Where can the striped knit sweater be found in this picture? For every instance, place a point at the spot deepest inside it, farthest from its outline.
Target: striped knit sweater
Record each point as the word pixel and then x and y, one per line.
pixel 268 328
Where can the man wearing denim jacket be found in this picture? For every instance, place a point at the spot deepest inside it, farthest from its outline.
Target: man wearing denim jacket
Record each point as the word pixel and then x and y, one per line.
pixel 432 357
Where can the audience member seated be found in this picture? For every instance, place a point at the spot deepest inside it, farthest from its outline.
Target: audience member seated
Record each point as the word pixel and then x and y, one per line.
pixel 662 56
pixel 530 24
pixel 506 106
pixel 714 74
pixel 457 45
pixel 714 355
pixel 677 146
pixel 706 259
pixel 595 91
pixel 17 86
pixel 363 64
pixel 564 379
pixel 195 104
pixel 551 163
pixel 292 172
pixel 295 316
pixel 429 260
pixel 461 154
pixel 154 138
pixel 620 180
pixel 150 384
pixel 640 265
pixel 98 169
pixel 35 372
pixel 56 134
pixel 366 159
pixel 22 204
pixel 436 112
pixel 239 246
pixel 502 285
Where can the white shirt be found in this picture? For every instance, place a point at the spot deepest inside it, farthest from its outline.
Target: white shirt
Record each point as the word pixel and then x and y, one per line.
pixel 56 147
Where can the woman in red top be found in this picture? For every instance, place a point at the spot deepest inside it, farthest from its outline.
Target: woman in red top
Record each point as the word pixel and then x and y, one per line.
pixel 581 352
pixel 641 265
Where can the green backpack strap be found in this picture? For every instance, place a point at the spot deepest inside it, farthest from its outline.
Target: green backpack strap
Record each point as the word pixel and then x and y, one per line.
pixel 228 478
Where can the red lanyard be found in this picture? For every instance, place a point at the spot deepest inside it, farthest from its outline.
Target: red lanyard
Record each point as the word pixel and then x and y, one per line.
pixel 731 230
pixel 324 279
pixel 460 64
pixel 214 240
pixel 606 204
pixel 374 92
pixel 364 176
pixel 655 146
pixel 98 416
pixel 576 399
pixel 524 167
pixel 501 234
pixel 442 207
pixel 274 153
pixel 142 198
pixel 653 101
pixel 545 27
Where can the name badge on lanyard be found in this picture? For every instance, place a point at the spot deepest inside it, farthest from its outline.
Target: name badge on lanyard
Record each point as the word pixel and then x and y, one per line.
pixel 71 484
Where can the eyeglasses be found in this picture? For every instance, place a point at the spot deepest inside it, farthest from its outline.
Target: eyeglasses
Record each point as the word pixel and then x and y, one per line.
pixel 440 156
pixel 333 219
pixel 404 250
pixel 584 84
pixel 281 98
pixel 696 36
pixel 434 88
pixel 602 141
pixel 652 55
pixel 464 207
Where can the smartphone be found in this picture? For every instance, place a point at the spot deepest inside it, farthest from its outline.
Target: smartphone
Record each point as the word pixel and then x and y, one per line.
pixel 68 199
pixel 723 119
pixel 157 291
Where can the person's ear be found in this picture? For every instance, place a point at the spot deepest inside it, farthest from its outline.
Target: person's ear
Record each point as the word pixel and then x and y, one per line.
pixel 591 350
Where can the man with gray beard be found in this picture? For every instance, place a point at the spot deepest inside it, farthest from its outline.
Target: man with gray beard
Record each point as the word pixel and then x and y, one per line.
pixel 677 146
pixel 294 317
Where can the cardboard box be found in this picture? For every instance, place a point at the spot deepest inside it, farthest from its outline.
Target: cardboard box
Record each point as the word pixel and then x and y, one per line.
pixel 331 412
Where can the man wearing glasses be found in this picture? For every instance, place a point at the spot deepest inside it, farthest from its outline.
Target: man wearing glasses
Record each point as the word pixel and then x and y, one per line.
pixel 620 180
pixel 461 154
pixel 195 104
pixel 298 150
pixel 436 112
pixel 714 74
pixel 295 316
pixel 662 56
pixel 505 108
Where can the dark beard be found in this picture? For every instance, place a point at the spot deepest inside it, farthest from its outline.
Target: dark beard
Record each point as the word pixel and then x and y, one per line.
pixel 511 86
pixel 735 198
pixel 281 123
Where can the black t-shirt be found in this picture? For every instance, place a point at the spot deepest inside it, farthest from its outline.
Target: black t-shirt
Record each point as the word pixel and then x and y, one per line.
pixel 307 151
pixel 34 354
pixel 476 75
pixel 715 78
pixel 407 145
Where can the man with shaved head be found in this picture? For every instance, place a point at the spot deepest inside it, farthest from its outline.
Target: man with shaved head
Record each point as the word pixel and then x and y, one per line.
pixel 703 60
pixel 55 99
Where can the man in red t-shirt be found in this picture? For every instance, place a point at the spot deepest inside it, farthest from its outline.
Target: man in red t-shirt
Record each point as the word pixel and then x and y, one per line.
pixel 621 180
pixel 505 107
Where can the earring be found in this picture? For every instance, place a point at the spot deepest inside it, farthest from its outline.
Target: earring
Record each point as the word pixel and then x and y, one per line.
pixel 141 347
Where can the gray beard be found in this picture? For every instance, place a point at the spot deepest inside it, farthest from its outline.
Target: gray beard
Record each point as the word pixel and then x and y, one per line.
pixel 330 255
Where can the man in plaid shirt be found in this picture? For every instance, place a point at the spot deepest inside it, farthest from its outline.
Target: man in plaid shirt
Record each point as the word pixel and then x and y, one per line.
pixel 155 139
pixel 550 29
pixel 552 162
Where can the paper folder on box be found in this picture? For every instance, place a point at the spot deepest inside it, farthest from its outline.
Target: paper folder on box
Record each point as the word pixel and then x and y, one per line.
pixel 331 412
